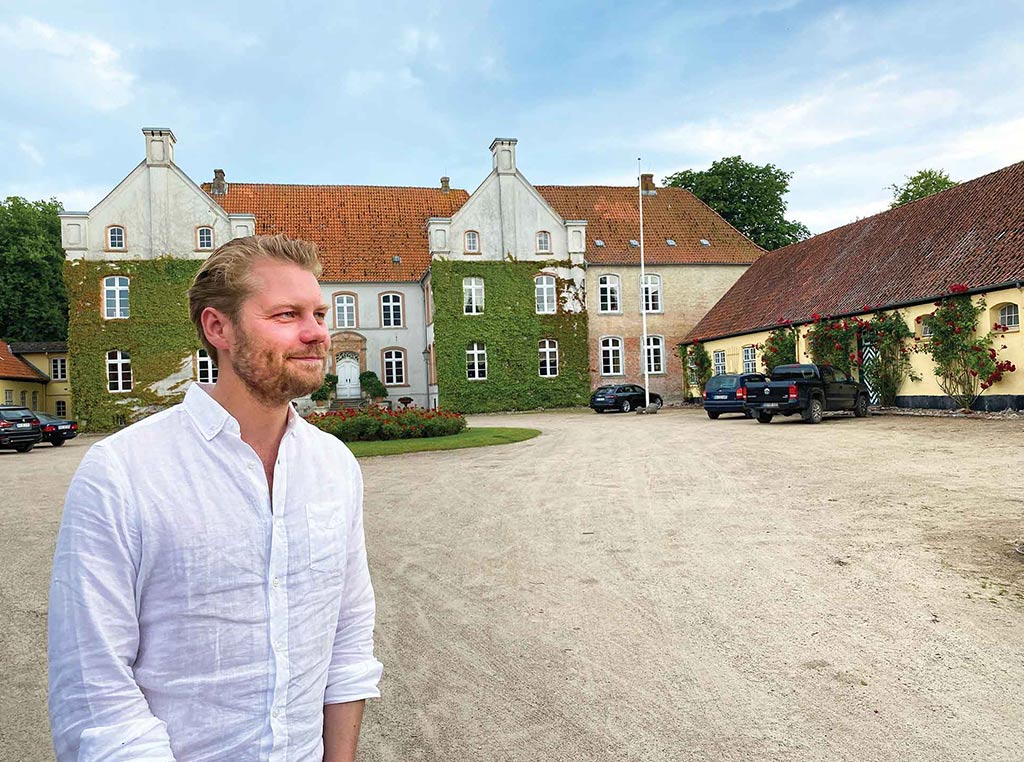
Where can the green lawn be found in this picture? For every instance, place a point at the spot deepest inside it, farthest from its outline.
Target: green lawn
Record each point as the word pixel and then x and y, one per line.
pixel 477 437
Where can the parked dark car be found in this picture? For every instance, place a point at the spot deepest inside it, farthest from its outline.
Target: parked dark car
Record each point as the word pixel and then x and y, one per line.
pixel 56 430
pixel 624 397
pixel 807 390
pixel 727 393
pixel 19 428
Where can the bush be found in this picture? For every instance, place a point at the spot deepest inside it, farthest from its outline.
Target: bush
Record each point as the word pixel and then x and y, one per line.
pixel 376 424
pixel 371 384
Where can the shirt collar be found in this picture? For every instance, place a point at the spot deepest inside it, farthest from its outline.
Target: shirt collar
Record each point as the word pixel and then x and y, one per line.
pixel 211 418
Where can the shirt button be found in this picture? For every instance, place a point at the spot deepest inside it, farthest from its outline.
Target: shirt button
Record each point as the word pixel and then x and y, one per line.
pixel 276 712
pixel 276 582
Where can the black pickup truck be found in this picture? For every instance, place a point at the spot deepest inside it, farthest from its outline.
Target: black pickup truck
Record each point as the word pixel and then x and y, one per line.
pixel 809 390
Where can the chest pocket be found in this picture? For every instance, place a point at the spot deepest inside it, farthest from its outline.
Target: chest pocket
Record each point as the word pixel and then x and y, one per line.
pixel 327 536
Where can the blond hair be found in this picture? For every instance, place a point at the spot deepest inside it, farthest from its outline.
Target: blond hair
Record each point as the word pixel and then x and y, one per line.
pixel 224 281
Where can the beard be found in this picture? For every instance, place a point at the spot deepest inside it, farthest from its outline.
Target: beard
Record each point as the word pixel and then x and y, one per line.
pixel 271 377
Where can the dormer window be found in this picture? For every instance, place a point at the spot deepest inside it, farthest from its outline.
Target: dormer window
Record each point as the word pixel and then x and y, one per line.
pixel 543 242
pixel 670 241
pixel 204 238
pixel 705 242
pixel 634 243
pixel 115 237
pixel 472 242
pixel 598 242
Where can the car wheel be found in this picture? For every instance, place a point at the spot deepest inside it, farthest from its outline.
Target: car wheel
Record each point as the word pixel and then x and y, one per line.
pixel 814 411
pixel 657 404
pixel 625 407
pixel 24 448
pixel 748 413
pixel 712 415
pixel 57 442
pixel 861 408
pixel 763 417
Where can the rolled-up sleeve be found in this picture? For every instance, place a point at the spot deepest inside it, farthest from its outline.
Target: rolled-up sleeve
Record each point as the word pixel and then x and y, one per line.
pixel 354 672
pixel 97 710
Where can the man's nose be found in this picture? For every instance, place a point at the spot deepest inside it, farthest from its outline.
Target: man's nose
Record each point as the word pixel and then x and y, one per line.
pixel 314 332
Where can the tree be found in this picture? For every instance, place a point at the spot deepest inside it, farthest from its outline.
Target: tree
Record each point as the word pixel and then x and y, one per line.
pixel 33 300
pixel 748 196
pixel 921 184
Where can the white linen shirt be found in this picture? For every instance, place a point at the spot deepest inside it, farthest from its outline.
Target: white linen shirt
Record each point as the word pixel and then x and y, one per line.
pixel 191 616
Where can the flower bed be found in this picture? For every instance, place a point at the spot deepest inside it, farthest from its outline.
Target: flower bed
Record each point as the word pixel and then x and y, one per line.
pixel 376 424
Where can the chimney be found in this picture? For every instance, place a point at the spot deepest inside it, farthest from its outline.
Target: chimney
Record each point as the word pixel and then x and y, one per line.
pixel 444 184
pixel 218 187
pixel 503 155
pixel 647 185
pixel 159 146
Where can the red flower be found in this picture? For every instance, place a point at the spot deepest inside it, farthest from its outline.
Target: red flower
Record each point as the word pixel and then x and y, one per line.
pixel 815 317
pixel 957 288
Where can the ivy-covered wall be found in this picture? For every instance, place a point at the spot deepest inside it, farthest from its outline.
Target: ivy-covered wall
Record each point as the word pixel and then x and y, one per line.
pixel 158 336
pixel 511 330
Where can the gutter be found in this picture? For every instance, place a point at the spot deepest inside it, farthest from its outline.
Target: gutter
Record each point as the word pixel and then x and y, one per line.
pixel 1018 283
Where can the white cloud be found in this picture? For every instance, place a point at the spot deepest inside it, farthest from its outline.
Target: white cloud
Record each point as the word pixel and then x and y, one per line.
pixel 819 219
pixel 31 152
pixel 76 66
pixel 365 81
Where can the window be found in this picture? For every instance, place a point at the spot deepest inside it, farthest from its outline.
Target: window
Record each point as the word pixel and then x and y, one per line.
pixel 119 371
pixel 651 288
pixel 611 356
pixel 24 399
pixel 548 349
pixel 62 408
pixel 59 369
pixel 544 291
pixel 608 293
pixel 394 367
pixel 391 310
pixel 35 400
pixel 926 330
pixel 472 242
pixel 345 311
pixel 476 362
pixel 204 238
pixel 115 297
pixel 472 296
pixel 8 396
pixel 206 371
pixel 718 360
pixel 1009 316
pixel 749 360
pixel 115 237
pixel 543 242
pixel 655 354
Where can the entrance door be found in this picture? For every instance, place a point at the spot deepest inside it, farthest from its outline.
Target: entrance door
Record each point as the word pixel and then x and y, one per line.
pixel 348 378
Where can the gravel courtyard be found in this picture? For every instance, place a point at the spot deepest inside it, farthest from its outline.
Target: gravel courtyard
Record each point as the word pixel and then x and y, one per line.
pixel 655 588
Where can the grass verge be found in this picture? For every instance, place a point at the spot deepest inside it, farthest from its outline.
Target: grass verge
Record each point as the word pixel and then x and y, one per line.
pixel 475 437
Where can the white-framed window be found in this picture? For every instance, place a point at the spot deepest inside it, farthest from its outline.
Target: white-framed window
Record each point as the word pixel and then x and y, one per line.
pixel 115 297
pixel 476 361
pixel 344 310
pixel 61 408
pixel 548 349
pixel 471 240
pixel 926 330
pixel 8 396
pixel 119 371
pixel 655 354
pixel 394 367
pixel 391 310
pixel 651 290
pixel 543 242
pixel 35 400
pixel 611 356
pixel 115 237
pixel 718 361
pixel 24 399
pixel 608 294
pixel 204 238
pixel 544 292
pixel 206 371
pixel 749 360
pixel 1009 315
pixel 58 369
pixel 472 296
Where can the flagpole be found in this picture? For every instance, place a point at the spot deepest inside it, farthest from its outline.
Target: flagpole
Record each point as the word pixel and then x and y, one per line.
pixel 643 306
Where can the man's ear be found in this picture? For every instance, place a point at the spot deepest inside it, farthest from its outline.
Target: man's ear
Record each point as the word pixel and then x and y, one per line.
pixel 218 329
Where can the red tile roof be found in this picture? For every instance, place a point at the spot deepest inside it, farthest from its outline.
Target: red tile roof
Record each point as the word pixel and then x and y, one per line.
pixel 358 228
pixel 971 234
pixel 16 369
pixel 613 216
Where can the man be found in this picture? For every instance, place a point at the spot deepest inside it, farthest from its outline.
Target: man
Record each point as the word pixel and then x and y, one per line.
pixel 210 596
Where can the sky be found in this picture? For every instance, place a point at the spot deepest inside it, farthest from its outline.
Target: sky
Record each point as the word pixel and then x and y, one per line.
pixel 849 97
